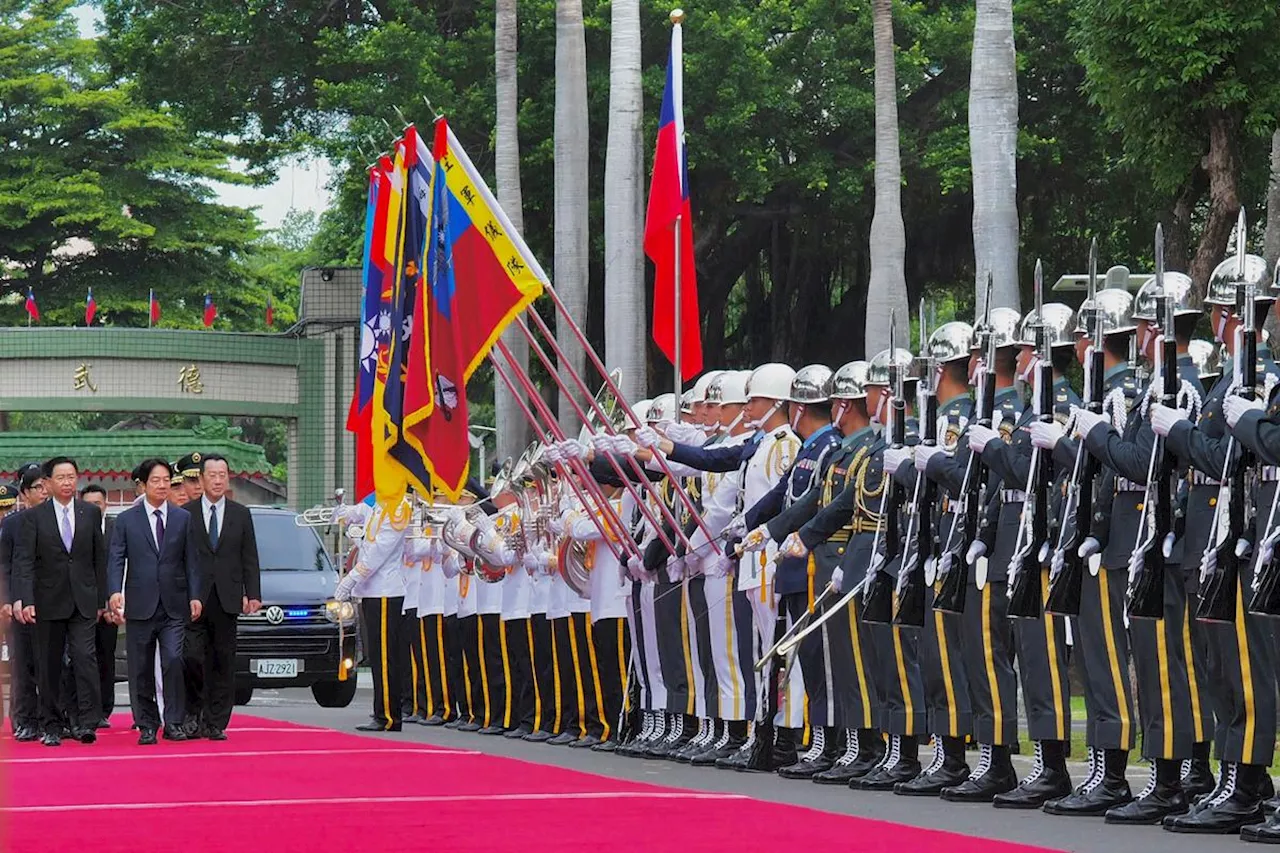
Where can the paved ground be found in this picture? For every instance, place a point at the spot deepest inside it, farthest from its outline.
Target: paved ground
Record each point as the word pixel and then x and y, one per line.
pixel 1069 834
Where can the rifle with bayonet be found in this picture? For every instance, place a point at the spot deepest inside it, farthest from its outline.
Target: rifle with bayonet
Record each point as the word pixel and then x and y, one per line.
pixel 909 598
pixel 1147 563
pixel 878 586
pixel 953 577
pixel 1067 574
pixel 1033 525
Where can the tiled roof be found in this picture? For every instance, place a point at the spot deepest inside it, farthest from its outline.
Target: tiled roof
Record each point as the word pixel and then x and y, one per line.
pixel 119 451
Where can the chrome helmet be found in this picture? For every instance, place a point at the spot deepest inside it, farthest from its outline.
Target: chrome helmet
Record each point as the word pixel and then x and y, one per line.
pixel 771 381
pixel 1177 285
pixel 812 384
pixel 850 381
pixel 950 342
pixel 1204 355
pixel 878 369
pixel 1004 327
pixel 686 402
pixel 1221 289
pixel 1059 320
pixel 1116 306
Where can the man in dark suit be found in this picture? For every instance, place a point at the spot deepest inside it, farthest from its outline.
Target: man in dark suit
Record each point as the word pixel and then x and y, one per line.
pixel 228 553
pixel 155 593
pixel 106 632
pixel 60 579
pixel 24 710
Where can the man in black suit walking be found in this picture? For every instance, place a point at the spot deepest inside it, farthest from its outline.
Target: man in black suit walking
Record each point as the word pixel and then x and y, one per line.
pixel 59 569
pixel 155 593
pixel 106 632
pixel 228 554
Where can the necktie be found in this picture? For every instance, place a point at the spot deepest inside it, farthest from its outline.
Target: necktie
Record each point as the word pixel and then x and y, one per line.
pixel 66 528
pixel 213 526
pixel 159 531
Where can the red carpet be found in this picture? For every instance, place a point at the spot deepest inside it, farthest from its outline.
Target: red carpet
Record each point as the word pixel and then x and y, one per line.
pixel 280 787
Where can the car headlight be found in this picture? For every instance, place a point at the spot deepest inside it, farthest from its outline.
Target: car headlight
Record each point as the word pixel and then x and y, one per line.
pixel 339 611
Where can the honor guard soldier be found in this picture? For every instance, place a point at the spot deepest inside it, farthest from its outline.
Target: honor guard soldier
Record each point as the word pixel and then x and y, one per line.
pixel 798 575
pixel 188 467
pixel 24 711
pixel 378 581
pixel 8 504
pixel 1100 640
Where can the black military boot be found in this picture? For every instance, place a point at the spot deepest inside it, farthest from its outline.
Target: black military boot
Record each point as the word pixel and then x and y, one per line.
pixel 993 775
pixel 901 764
pixel 1103 791
pixel 715 732
pixel 739 758
pixel 706 731
pixel 820 756
pixel 1197 776
pixel 760 756
pixel 1048 779
pixel 653 727
pixel 732 737
pixel 1162 796
pixel 843 759
pixel 678 736
pixel 947 768
pixel 1237 805
pixel 1263 833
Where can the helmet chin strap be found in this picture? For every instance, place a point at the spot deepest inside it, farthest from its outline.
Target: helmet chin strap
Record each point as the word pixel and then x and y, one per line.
pixel 733 424
pixel 879 413
pixel 757 424
pixel 838 413
pixel 795 419
pixel 1220 328
pixel 1148 336
pixel 1030 370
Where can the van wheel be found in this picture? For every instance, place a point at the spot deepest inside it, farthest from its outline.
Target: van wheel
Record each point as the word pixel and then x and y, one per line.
pixel 244 692
pixel 334 694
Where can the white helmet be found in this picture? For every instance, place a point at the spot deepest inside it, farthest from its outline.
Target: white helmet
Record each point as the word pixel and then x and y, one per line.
pixel 771 381
pixel 663 408
pixel 641 409
pixel 733 386
pixel 704 382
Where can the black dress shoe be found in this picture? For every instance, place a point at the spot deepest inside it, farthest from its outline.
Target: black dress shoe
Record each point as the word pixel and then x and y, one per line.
pixel 103 724
pixel 378 727
pixel 26 734
pixel 605 746
pixel 469 726
pixel 1237 805
pixel 51 739
pixel 492 730
pixel 416 719
pixel 538 736
pixel 216 734
pixel 455 723
pixel 585 742
pixel 85 735
pixel 174 733
pixel 147 737
pixel 517 733
pixel 563 739
pixel 433 720
pixel 1032 793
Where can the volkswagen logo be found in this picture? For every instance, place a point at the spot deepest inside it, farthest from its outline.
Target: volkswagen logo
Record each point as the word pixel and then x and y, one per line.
pixel 274 615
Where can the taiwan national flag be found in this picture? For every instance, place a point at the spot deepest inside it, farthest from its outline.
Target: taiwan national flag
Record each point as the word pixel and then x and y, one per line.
pixel 669 210
pixel 478 276
pixel 153 308
pixel 33 310
pixel 90 308
pixel 210 310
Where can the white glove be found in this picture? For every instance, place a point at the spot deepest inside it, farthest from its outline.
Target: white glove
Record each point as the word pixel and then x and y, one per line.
pixel 718 566
pixel 345 586
pixel 1243 548
pixel 1046 434
pixel 623 446
pixel 1266 551
pixel 1163 418
pixel 756 540
pixel 452 564
pixel 977 549
pixel 602 443
pixel 1057 562
pixel 837 579
pixel 675 570
pixel 635 567
pixel 583 528
pixel 1235 406
pixel 924 453
pixel 736 527
pixel 793 546
pixel 944 565
pixel 551 453
pixel 555 526
pixel 647 437
pixel 571 448
pixel 1088 548
pixel 980 436
pixel 1086 421
pixel 894 457
pixel 692 564
pixel 686 433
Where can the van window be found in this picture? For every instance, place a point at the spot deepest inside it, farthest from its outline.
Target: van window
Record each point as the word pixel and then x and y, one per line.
pixel 285 547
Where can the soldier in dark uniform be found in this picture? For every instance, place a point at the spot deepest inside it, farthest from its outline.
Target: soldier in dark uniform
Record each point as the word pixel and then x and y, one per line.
pixel 1242 652
pixel 8 503
pixel 1101 641
pixel 827 523
pixel 24 713
pixel 986 633
pixel 799 576
pixel 946 683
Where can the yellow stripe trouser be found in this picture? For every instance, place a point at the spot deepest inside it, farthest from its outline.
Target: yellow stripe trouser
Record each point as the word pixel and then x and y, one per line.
pixel 577 678
pixel 386 661
pixel 1193 682
pixel 506 676
pixel 444 670
pixel 484 669
pixel 595 680
pixel 988 651
pixel 1051 645
pixel 1116 681
pixel 537 691
pixel 555 669
pixel 426 666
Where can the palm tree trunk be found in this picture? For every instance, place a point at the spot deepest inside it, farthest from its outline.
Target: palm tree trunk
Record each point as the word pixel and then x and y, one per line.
pixel 570 198
pixel 513 430
pixel 888 289
pixel 624 307
pixel 993 148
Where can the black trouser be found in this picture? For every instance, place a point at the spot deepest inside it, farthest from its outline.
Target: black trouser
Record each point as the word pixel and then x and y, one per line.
pixel 988 657
pixel 1170 724
pixel 1042 665
pixel 611 648
pixel 413 699
pixel 469 632
pixel 106 636
pixel 899 684
pixel 457 697
pixel 697 614
pixel 386 651
pixel 143 636
pixel 570 697
pixel 432 652
pixel 672 619
pixel 483 644
pixel 209 666
pixel 542 715
pixel 24 708
pixel 519 653
pixel 1102 652
pixel 53 637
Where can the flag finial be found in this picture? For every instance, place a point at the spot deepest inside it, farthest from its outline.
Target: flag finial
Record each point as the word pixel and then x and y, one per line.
pixel 677 16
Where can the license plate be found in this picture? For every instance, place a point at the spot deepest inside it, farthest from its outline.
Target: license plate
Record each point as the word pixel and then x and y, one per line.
pixel 277 669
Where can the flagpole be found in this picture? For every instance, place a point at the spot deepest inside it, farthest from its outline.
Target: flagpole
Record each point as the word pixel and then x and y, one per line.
pixel 677 96
pixel 151 301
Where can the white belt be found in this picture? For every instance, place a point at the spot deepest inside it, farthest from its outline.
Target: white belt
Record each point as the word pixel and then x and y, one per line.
pixel 1200 478
pixel 1270 473
pixel 1013 496
pixel 1123 485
